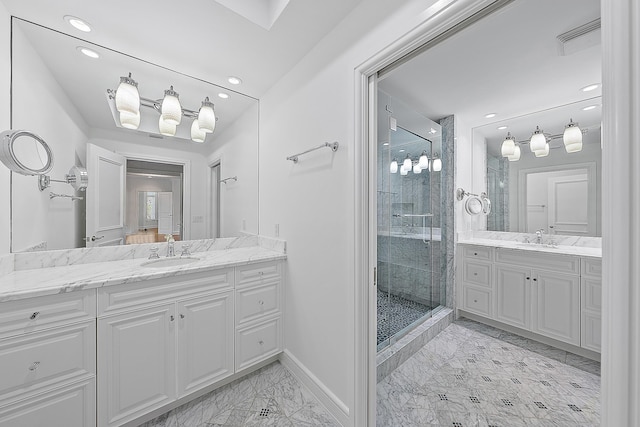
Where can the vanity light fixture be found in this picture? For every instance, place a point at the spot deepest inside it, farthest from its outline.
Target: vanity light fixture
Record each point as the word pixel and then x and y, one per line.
pixel 516 155
pixel 130 121
pixel 407 163
pixel 171 109
pixel 127 96
pixel 437 163
pixel 403 171
pixel 234 80
pixel 197 133
pixel 508 145
pixel 206 116
pixel 416 168
pixel 88 52
pixel 572 137
pixel 78 23
pixel 393 167
pixel 538 140
pixel 423 161
pixel 166 128
pixel 544 152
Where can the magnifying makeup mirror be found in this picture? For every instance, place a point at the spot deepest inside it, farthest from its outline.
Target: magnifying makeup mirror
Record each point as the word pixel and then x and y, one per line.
pixel 25 152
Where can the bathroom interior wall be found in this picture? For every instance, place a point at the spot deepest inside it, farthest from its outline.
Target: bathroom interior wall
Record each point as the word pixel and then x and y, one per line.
pixel 135 184
pixel 5 107
pixel 57 218
pixel 311 203
pixel 235 149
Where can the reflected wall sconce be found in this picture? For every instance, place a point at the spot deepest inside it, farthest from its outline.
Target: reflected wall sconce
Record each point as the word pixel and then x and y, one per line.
pixel 508 145
pixel 393 167
pixel 516 154
pixel 539 142
pixel 572 137
pixel 128 102
pixel 417 166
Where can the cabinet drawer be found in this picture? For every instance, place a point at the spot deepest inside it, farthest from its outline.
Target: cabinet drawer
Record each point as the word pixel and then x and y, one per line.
pixel 478 252
pixel 592 267
pixel 70 406
pixel 539 260
pixel 117 299
pixel 34 361
pixel 477 300
pixel 255 302
pixel 260 273
pixel 257 343
pixel 591 294
pixel 36 314
pixel 478 273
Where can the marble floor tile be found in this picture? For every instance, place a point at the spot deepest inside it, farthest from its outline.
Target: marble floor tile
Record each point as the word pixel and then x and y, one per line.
pixel 487 377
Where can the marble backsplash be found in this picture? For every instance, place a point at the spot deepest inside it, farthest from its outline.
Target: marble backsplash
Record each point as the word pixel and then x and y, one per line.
pixel 558 239
pixel 58 258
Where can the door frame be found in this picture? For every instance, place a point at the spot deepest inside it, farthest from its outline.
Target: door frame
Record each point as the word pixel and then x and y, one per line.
pixel 210 165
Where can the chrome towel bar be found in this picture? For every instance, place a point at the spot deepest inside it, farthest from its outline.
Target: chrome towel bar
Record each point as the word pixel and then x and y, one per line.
pixel 333 146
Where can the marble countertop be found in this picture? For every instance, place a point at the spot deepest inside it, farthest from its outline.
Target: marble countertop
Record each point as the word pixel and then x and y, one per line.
pixel 60 279
pixel 512 244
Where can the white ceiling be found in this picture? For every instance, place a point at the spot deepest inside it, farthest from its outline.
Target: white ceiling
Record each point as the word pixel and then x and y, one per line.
pixel 201 38
pixel 507 63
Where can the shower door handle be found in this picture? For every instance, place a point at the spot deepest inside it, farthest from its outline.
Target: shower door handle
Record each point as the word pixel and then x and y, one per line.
pixel 375 276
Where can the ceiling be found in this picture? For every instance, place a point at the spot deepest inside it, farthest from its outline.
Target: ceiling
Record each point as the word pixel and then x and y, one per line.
pixel 202 38
pixel 508 64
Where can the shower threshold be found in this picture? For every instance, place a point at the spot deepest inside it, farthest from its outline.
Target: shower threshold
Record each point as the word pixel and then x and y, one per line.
pixel 397 316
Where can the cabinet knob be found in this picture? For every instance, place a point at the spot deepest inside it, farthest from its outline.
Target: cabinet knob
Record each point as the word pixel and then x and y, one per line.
pixel 34 315
pixel 535 280
pixel 475 300
pixel 528 278
pixel 260 342
pixel 475 253
pixel 260 273
pixel 475 274
pixel 34 366
pixel 171 318
pixel 182 316
pixel 261 302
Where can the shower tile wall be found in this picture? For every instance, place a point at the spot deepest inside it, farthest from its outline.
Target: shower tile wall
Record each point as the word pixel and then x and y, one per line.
pixel 447 220
pixel 498 192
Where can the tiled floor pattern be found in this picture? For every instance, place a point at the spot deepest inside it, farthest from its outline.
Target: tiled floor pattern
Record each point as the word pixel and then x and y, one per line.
pixel 396 313
pixel 470 376
pixel 270 396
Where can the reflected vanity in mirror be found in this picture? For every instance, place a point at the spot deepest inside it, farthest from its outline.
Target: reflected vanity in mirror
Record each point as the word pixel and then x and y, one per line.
pixel 68 99
pixel 556 189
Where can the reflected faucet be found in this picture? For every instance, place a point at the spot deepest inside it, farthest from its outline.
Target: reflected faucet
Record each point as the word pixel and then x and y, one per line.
pixel 539 236
pixel 171 251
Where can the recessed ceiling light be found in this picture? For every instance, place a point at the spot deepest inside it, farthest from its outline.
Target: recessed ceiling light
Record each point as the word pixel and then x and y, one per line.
pixel 590 107
pixel 502 127
pixel 401 151
pixel 590 87
pixel 386 143
pixel 432 131
pixel 223 95
pixel 234 80
pixel 88 52
pixel 78 23
pixel 490 115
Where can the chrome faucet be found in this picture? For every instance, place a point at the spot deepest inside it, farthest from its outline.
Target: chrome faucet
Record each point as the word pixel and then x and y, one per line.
pixel 539 236
pixel 171 250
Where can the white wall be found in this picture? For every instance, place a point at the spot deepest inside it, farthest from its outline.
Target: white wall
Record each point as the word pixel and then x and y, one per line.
pixel 5 107
pixel 236 150
pixel 313 201
pixel 136 184
pixel 35 94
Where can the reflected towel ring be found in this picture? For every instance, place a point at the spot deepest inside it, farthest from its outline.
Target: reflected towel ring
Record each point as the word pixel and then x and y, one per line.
pixel 473 206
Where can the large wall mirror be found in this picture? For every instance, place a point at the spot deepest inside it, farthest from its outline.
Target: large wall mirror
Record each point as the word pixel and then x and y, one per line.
pixel 60 91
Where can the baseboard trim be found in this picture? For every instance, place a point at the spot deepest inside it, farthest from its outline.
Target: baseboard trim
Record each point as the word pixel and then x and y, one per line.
pixel 327 398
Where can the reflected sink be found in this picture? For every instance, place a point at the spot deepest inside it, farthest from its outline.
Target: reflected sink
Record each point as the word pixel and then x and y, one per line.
pixel 169 262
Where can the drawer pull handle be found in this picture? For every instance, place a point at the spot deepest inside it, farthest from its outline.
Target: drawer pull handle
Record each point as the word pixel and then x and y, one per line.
pixel 182 316
pixel 34 366
pixel 260 342
pixel 475 300
pixel 528 278
pixel 535 280
pixel 260 273
pixel 34 315
pixel 475 253
pixel 475 274
pixel 261 302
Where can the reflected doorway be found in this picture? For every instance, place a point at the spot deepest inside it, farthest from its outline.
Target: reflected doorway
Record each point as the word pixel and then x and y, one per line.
pixel 214 209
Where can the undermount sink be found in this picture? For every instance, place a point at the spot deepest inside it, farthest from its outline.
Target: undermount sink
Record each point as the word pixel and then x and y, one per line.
pixel 169 262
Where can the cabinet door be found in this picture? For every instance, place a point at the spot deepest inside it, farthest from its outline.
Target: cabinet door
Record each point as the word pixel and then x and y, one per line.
pixel 205 341
pixel 136 363
pixel 556 306
pixel 512 296
pixel 591 337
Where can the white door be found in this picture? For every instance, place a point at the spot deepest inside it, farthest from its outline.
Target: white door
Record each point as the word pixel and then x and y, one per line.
pixel 568 198
pixel 556 306
pixel 136 364
pixel 165 212
pixel 105 197
pixel 205 341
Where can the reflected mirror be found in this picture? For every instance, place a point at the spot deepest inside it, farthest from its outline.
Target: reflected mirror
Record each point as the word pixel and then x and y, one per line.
pixel 68 98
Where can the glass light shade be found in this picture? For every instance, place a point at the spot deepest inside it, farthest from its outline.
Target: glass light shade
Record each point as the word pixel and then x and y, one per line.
pixel 538 140
pixel 393 167
pixel 206 116
pixel 197 134
pixel 423 161
pixel 508 146
pixel 516 155
pixel 437 165
pixel 403 171
pixel 130 121
pixel 171 109
pixel 572 137
pixel 544 152
pixel 127 96
pixel 416 168
pixel 407 164
pixel 167 129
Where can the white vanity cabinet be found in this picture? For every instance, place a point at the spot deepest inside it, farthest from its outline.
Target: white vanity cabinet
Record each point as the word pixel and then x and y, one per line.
pixel 591 303
pixel 477 280
pixel 48 361
pixel 159 341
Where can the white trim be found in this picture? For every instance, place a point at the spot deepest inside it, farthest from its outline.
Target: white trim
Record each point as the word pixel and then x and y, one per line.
pixel 330 401
pixel 621 213
pixel 210 165
pixel 186 183
pixel 439 17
